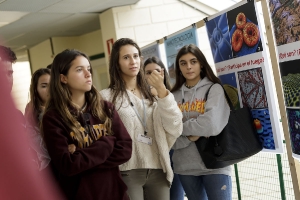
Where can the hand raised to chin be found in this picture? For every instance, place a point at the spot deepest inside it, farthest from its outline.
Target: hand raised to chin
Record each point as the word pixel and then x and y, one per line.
pixel 157 81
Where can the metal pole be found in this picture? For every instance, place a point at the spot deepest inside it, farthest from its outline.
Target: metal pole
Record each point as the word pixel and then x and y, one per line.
pixel 237 181
pixel 280 174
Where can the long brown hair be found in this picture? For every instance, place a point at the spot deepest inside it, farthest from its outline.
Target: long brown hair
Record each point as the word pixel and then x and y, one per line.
pixel 117 84
pixel 157 61
pixel 34 106
pixel 60 95
pixel 206 70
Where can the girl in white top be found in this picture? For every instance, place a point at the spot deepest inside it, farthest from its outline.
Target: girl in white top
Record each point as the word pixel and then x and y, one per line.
pixel 153 123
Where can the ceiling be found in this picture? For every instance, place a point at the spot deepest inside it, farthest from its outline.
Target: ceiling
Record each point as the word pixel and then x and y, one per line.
pixel 25 23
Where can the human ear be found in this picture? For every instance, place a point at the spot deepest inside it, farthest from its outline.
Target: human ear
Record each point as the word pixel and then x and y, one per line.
pixel 63 79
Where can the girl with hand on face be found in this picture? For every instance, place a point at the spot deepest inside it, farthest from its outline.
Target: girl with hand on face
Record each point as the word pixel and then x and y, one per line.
pixel 76 114
pixel 153 123
pixel 151 64
pixel 33 115
pixel 194 77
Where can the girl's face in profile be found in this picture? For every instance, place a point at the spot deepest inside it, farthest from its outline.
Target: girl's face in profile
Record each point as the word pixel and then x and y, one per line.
pixel 42 87
pixel 151 67
pixel 79 78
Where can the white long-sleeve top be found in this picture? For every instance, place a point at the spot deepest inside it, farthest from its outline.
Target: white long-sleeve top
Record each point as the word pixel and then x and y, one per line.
pixel 164 126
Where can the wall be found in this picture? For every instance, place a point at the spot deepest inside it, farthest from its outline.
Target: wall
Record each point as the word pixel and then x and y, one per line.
pixel 108 27
pixel 91 43
pixel 150 20
pixel 40 55
pixel 62 43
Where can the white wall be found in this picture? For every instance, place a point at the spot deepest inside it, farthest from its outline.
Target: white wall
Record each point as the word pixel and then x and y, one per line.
pixel 150 20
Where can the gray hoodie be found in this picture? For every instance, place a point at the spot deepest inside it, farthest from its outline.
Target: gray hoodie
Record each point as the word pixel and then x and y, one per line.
pixel 204 119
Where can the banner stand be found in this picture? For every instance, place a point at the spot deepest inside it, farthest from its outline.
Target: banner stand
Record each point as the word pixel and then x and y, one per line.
pixel 294 166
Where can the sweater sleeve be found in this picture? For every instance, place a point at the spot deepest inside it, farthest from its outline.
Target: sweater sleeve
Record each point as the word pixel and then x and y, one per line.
pixel 56 139
pixel 215 117
pixel 181 142
pixel 123 145
pixel 170 114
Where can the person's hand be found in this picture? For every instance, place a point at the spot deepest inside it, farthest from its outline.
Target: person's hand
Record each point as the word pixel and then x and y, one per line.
pixel 71 148
pixel 153 91
pixel 156 80
pixel 193 138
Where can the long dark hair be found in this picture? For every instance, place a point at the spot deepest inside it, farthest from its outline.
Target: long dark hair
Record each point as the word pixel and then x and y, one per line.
pixel 34 106
pixel 206 70
pixel 117 84
pixel 60 95
pixel 157 61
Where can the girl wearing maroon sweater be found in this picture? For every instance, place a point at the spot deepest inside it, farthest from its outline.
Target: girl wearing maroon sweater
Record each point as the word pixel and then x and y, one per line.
pixel 76 114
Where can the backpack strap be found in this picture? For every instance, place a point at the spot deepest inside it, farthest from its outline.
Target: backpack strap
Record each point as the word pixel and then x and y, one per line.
pixel 206 94
pixel 226 96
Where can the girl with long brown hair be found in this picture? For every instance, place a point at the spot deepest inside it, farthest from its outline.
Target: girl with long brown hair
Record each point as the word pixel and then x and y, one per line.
pixel 76 114
pixel 153 122
pixel 33 115
pixel 201 118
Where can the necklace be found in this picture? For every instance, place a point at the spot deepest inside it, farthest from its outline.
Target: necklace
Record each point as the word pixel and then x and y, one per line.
pixel 189 86
pixel 133 91
pixel 83 108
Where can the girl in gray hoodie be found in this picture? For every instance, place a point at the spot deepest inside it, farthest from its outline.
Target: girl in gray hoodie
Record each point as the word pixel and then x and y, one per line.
pixel 200 119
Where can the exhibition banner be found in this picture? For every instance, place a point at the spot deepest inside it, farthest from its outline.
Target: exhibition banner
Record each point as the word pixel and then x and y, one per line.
pixel 238 48
pixel 150 50
pixel 174 43
pixel 286 23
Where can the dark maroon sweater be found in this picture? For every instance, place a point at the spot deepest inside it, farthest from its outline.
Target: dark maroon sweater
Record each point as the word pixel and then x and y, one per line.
pixel 92 172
